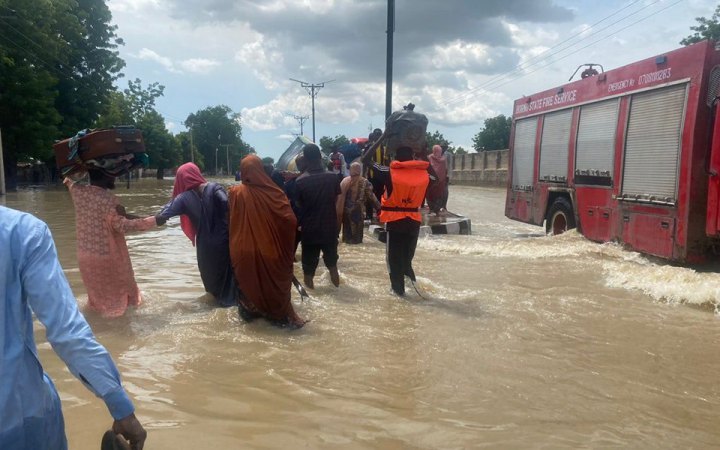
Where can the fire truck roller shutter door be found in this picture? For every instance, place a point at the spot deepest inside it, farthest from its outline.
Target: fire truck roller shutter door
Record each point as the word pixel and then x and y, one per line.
pixel 596 142
pixel 554 146
pixel 652 147
pixel 524 153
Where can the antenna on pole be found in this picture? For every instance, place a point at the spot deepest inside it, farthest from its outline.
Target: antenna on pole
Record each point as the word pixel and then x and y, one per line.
pixel 312 89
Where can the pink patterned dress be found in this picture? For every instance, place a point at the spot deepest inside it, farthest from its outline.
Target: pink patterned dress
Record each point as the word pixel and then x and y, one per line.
pixel 102 253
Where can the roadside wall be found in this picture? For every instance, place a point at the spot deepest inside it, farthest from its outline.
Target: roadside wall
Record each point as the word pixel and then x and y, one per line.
pixel 488 168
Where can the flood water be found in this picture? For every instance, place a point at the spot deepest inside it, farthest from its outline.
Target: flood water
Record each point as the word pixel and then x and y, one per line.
pixel 518 341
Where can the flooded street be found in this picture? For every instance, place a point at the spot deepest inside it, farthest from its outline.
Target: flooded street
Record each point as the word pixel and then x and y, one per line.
pixel 518 341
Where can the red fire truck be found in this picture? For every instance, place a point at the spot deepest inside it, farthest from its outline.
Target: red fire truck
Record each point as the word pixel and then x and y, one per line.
pixel 629 155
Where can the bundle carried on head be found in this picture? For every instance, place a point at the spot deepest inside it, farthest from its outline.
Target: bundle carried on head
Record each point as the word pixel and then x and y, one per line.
pixel 406 128
pixel 115 151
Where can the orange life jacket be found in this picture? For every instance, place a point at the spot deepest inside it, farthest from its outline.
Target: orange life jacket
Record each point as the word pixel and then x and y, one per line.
pixel 409 183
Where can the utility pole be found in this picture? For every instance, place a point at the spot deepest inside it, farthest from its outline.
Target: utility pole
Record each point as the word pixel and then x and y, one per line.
pixel 301 120
pixel 389 64
pixel 227 157
pixel 312 89
pixel 192 151
pixel 216 167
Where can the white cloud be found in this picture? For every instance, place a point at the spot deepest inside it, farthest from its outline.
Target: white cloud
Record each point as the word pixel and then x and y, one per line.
pixel 264 58
pixel 151 55
pixel 192 65
pixel 199 65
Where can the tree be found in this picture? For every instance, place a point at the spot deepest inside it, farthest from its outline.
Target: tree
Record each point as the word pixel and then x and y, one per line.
pixel 495 135
pixel 160 145
pixel 460 151
pixel 328 143
pixel 706 29
pixel 436 139
pixel 183 140
pixel 214 129
pixel 88 62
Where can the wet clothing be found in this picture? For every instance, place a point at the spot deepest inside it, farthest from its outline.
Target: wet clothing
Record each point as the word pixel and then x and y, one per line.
pixel 355 193
pixel 311 256
pixel 207 213
pixel 317 192
pixel 437 193
pixel 102 252
pixel 32 281
pixel 262 245
pixel 405 190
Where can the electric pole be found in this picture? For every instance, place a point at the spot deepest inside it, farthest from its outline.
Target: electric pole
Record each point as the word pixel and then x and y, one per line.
pixel 301 120
pixel 312 89
pixel 389 73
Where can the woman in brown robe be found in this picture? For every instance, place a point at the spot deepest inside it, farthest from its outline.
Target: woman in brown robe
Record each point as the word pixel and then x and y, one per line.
pixel 262 245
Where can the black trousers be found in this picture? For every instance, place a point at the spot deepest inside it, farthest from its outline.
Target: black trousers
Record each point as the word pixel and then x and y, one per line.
pixel 311 256
pixel 400 252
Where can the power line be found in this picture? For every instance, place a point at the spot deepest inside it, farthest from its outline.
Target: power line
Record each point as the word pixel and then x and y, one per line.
pixel 595 42
pixel 471 93
pixel 312 89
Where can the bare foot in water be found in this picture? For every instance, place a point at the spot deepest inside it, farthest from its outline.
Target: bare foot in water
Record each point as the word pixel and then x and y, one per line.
pixel 334 276
pixel 308 280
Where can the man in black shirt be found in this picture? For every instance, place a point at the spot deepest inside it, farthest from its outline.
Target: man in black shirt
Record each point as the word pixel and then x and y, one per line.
pixel 317 192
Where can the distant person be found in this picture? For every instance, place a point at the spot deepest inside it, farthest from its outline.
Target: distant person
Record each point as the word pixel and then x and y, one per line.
pixel 405 184
pixel 102 253
pixel 275 175
pixel 355 192
pixel 33 282
pixel 337 159
pixel 262 246
pixel 203 210
pixel 237 175
pixel 291 193
pixel 437 194
pixel 378 157
pixel 317 192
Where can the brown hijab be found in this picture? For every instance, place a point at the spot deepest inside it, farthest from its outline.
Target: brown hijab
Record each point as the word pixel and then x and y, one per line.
pixel 262 243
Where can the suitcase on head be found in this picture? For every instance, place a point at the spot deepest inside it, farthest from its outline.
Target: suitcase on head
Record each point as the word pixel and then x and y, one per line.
pixel 95 147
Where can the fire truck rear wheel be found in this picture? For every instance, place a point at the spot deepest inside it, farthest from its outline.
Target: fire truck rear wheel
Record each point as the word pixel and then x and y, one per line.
pixel 560 217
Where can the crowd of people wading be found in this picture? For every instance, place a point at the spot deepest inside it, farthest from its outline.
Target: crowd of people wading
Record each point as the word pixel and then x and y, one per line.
pixel 246 239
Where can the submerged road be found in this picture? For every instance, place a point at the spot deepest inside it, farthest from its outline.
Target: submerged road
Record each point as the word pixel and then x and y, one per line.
pixel 518 341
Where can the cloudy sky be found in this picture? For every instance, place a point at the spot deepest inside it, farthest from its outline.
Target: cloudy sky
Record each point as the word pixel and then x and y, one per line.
pixel 459 61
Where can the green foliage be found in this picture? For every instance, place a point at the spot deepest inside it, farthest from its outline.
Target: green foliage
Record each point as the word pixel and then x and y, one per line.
pixel 460 151
pixel 217 136
pixel 327 143
pixel 436 139
pixel 184 143
pixel 706 29
pixel 88 61
pixel 58 61
pixel 495 135
pixel 161 146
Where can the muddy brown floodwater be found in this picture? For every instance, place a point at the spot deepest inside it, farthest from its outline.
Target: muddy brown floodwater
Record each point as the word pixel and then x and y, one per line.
pixel 520 341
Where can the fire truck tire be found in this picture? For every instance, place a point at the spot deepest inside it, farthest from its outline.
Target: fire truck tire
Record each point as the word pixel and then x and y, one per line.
pixel 560 217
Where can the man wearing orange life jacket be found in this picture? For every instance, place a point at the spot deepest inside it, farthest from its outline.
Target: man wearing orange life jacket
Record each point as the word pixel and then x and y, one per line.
pixel 406 181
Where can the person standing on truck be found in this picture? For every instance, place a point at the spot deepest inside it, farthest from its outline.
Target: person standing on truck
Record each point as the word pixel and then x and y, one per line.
pixel 102 253
pixel 33 282
pixel 405 182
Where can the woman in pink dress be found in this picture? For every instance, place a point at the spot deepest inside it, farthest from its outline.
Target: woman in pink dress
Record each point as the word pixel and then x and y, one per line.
pixel 102 253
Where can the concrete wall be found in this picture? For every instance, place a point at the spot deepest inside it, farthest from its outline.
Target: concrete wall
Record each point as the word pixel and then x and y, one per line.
pixel 488 168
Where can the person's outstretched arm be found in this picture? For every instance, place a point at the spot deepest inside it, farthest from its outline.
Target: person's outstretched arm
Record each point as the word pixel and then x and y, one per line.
pixel 49 295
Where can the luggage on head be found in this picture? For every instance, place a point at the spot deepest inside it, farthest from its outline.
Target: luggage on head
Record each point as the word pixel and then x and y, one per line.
pixel 115 151
pixel 406 128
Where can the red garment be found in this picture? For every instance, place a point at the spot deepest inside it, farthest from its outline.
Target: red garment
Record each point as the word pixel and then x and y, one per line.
pixel 262 243
pixel 188 177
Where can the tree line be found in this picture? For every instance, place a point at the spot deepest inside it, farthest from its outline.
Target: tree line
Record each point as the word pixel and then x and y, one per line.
pixel 59 66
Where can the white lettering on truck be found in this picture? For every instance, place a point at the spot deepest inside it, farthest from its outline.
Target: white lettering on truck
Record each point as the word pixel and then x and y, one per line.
pixel 655 76
pixel 546 102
